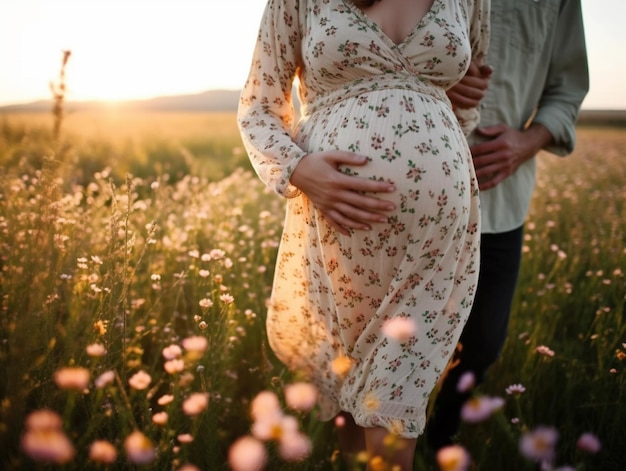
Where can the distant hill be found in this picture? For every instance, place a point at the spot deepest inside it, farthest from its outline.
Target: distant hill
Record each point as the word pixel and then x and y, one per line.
pixel 226 100
pixel 211 100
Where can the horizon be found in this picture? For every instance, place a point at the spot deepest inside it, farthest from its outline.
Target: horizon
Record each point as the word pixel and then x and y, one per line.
pixel 127 51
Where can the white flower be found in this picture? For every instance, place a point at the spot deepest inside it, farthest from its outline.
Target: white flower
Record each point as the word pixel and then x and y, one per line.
pixel 400 329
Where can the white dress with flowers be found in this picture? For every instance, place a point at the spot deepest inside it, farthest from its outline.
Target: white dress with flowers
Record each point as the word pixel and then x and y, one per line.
pixel 334 295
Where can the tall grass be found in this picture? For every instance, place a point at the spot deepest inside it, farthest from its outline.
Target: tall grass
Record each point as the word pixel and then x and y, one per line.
pixel 158 232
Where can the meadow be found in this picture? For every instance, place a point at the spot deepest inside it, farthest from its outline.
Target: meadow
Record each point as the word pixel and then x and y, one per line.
pixel 136 257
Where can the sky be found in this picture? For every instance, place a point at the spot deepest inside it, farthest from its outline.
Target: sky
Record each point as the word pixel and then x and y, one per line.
pixel 127 49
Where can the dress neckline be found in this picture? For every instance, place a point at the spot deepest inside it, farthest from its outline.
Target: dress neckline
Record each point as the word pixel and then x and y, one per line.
pixel 432 11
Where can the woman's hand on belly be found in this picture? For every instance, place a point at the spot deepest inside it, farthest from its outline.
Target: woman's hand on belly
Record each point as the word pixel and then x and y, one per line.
pixel 340 197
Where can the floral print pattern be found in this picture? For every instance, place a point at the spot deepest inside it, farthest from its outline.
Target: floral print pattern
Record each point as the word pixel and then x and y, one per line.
pixel 332 294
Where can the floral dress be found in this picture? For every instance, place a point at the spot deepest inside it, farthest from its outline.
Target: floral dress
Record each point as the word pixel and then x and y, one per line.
pixel 333 294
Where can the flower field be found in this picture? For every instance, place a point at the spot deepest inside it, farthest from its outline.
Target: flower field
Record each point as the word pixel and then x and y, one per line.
pixel 136 257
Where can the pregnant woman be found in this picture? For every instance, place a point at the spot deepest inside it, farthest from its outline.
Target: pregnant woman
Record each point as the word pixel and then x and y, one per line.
pixel 382 224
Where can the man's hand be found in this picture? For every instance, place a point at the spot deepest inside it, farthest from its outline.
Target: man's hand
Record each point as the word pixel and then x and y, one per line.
pixel 338 196
pixel 472 88
pixel 507 149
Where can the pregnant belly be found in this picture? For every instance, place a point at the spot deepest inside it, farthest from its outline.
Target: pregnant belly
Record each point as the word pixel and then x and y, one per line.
pixel 409 139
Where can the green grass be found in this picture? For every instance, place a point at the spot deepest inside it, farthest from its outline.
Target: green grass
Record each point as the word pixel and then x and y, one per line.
pixel 107 236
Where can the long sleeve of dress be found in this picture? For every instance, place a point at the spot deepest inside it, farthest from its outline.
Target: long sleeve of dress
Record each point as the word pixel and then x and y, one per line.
pixel 266 112
pixel 479 40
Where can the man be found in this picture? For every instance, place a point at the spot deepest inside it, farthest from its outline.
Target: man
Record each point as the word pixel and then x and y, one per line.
pixel 537 80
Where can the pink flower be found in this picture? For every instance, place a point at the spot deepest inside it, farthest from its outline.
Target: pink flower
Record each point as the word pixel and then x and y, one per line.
pixel 294 446
pixel 247 454
pixel 171 352
pixel 140 380
pixel 538 444
pixel 160 418
pixel 139 448
pixel 477 409
pixel 545 351
pixel 195 404
pixel 453 458
pixel 301 396
pixel 185 438
pixel 515 389
pixel 165 399
pixel 76 378
pixel 466 382
pixel 96 350
pixel 102 451
pixel 400 329
pixel 44 439
pixel 196 344
pixel 265 403
pixel 104 379
pixel 589 442
pixel 174 366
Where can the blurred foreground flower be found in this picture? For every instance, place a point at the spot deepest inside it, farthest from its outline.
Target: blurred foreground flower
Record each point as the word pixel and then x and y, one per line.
pixel 72 378
pixel 102 451
pixel 477 409
pixel 453 458
pixel 247 454
pixel 545 350
pixel 400 329
pixel 539 444
pixel 195 404
pixel 44 439
pixel 466 382
pixel 301 396
pixel 589 442
pixel 140 380
pixel 139 448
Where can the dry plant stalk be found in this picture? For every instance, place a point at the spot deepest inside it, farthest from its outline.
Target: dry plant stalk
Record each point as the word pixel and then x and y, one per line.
pixel 58 94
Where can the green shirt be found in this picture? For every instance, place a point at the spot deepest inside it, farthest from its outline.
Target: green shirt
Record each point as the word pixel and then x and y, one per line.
pixel 538 53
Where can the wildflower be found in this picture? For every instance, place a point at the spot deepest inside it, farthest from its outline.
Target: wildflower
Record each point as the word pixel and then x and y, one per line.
pixel 195 404
pixel 565 468
pixel 204 273
pixel 171 352
pixel 515 389
pixel 340 421
pixel 188 467
pixel 301 396
pixel 48 445
pixel 247 454
pixel 275 426
pixel 102 451
pixel 400 329
pixel 203 325
pixel 104 379
pixel 43 419
pixel 72 378
pixel 139 448
pixel 477 409
pixel 100 327
pixel 226 298
pixel 140 380
pixel 205 303
pixel 515 420
pixel 264 404
pixel 96 350
pixel 378 463
pixel 185 438
pixel 453 458
pixel 174 366
pixel 160 418
pixel 165 399
pixel 44 439
pixel 589 442
pixel 545 351
pixel 294 447
pixel 196 344
pixel 538 444
pixel 371 402
pixel 341 366
pixel 466 382
pixel 216 254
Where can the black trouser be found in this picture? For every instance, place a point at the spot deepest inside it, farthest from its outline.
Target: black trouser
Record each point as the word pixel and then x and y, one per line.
pixel 485 332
